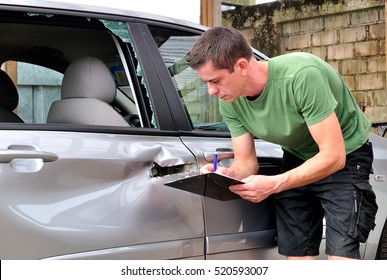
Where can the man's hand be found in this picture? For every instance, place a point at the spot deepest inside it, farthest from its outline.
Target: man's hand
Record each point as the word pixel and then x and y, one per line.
pixel 256 187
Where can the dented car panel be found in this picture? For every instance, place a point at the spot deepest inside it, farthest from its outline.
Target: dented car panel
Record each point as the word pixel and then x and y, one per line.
pixel 98 194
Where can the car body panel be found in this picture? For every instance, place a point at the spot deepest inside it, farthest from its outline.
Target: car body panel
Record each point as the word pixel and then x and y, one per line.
pixel 98 195
pixel 378 181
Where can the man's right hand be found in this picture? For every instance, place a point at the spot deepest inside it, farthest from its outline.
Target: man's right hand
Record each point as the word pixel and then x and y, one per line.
pixel 209 168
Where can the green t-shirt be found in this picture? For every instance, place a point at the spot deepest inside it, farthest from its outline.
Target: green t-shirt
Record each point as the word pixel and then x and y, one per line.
pixel 301 90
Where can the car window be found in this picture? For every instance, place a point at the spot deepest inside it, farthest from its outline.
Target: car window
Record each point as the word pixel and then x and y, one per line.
pixel 44 46
pixel 38 88
pixel 201 108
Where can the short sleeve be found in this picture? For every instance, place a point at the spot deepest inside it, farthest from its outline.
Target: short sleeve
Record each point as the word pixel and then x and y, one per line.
pixel 313 95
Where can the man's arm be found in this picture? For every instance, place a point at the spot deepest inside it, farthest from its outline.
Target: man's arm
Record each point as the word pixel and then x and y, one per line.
pixel 245 159
pixel 330 158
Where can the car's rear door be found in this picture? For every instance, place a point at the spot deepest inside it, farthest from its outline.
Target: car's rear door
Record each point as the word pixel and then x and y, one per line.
pixel 97 199
pixel 75 191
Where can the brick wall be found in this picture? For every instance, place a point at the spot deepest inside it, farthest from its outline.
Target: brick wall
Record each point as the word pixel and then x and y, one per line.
pixel 348 34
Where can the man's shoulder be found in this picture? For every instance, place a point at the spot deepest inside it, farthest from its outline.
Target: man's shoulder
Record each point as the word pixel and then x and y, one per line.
pixel 293 64
pixel 299 57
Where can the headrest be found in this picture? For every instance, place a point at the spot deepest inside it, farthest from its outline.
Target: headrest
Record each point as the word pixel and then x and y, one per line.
pixel 9 96
pixel 88 78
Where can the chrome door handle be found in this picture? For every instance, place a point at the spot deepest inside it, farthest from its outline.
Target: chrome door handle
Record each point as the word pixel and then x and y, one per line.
pixel 221 152
pixel 25 152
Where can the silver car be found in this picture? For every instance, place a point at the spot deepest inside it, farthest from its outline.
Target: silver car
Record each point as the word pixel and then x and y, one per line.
pixel 104 113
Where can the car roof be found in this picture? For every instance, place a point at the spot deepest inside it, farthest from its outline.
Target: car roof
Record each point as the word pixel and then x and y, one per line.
pixel 68 8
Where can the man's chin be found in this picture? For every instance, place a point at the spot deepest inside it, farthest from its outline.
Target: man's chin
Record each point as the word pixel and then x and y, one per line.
pixel 228 100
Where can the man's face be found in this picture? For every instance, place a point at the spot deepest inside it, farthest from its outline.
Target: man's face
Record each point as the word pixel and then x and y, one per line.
pixel 221 82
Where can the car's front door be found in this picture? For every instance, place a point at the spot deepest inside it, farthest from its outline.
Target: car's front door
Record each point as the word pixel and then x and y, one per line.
pixel 235 228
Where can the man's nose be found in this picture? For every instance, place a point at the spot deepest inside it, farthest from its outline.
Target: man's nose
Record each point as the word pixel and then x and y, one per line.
pixel 212 90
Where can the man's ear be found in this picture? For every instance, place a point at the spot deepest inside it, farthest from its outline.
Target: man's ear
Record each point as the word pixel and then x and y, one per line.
pixel 241 65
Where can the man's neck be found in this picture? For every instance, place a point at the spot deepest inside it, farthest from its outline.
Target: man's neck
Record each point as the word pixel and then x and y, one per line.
pixel 252 98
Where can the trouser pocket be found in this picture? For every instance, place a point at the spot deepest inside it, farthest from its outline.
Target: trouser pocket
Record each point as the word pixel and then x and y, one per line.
pixel 365 208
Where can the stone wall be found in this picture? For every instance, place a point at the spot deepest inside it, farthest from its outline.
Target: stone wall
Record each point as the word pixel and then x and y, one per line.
pixel 348 34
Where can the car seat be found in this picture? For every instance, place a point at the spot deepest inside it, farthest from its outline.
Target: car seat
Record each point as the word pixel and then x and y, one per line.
pixel 87 90
pixel 9 99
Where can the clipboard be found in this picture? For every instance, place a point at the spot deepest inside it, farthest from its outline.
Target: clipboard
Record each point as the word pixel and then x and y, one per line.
pixel 211 185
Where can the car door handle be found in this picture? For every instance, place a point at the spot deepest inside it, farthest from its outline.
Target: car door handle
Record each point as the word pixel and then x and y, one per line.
pixel 25 152
pixel 221 152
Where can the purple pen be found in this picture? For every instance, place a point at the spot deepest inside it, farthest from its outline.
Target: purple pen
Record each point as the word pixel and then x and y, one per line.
pixel 215 161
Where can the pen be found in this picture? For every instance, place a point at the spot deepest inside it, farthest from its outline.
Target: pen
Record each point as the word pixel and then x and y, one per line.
pixel 215 161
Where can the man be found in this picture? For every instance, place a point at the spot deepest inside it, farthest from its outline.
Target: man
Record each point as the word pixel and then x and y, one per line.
pixel 300 102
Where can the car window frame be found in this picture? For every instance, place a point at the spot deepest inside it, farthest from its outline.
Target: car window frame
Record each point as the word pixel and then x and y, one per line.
pixel 162 111
pixel 182 120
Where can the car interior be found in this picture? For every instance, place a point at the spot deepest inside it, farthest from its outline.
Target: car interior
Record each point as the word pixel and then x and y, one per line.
pixel 87 90
pixel 66 45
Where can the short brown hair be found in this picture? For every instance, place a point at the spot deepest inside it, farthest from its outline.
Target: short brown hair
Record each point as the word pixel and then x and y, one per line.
pixel 222 46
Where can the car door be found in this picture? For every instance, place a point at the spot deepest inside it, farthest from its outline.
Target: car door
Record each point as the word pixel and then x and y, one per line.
pixel 234 228
pixel 79 191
